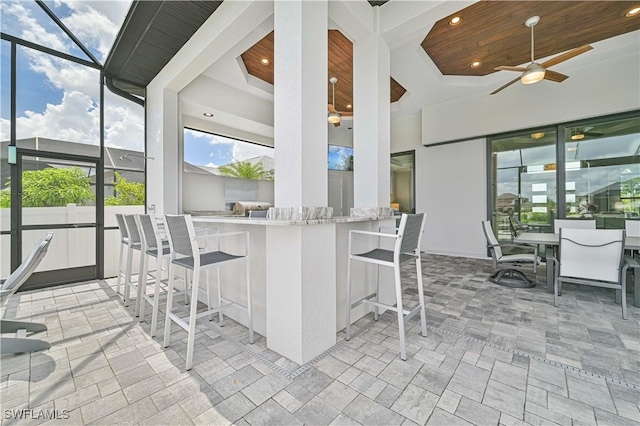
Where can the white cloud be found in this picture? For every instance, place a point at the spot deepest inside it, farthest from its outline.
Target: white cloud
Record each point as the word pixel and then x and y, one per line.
pixel 211 165
pixel 76 116
pixel 245 150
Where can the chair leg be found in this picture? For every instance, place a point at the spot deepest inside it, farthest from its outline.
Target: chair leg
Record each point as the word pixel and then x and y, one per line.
pixel 555 292
pixel 375 308
pixel 249 309
pixel 193 311
pixel 120 271
pixel 127 276
pixel 403 350
pixel 167 321
pixel 220 314
pixel 623 282
pixel 423 315
pixel 156 297
pixel 348 327
pixel 142 285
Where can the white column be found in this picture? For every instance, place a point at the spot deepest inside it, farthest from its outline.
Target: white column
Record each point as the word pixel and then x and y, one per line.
pixel 301 263
pixel 371 119
pixel 163 141
pixel 300 103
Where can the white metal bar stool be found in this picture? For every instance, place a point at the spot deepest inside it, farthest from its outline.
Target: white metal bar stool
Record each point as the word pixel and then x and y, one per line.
pixel 124 248
pixel 406 248
pixel 185 253
pixel 152 247
pixel 134 243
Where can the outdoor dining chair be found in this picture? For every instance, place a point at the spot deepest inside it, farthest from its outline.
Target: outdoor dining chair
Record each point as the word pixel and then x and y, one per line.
pixel 185 253
pixel 20 343
pixel 406 248
pixel 508 268
pixel 573 224
pixel 592 257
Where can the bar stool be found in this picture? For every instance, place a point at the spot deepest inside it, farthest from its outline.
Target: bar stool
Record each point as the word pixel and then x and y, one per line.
pixel 406 248
pixel 134 243
pixel 151 241
pixel 124 247
pixel 185 253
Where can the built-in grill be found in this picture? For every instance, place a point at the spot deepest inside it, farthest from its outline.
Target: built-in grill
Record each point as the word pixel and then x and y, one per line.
pixel 244 207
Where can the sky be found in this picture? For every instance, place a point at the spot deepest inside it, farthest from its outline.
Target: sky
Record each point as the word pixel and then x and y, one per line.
pixel 59 99
pixel 338 156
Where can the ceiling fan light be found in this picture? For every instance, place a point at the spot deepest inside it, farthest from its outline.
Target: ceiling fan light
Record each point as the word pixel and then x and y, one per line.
pixel 333 118
pixel 538 135
pixel 534 74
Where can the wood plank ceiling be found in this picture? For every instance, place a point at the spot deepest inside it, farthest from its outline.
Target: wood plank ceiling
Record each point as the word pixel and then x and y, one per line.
pixel 340 65
pixel 493 32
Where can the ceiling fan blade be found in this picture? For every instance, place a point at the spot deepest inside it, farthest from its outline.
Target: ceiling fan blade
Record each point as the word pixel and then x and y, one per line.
pixel 555 76
pixel 593 135
pixel 345 113
pixel 566 56
pixel 506 85
pixel 508 68
pixel 331 108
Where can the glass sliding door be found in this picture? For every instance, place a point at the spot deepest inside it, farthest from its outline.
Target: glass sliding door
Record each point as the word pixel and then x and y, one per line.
pixel 602 162
pixel 403 182
pixel 523 182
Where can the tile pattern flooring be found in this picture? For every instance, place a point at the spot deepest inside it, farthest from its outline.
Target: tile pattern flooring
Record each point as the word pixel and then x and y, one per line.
pixel 493 355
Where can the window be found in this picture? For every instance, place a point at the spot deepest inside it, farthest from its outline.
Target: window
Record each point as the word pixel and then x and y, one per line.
pixel 340 158
pixel 602 171
pixel 524 181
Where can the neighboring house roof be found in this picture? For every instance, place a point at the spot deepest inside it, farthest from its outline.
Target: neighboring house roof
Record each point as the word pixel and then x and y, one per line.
pixel 268 164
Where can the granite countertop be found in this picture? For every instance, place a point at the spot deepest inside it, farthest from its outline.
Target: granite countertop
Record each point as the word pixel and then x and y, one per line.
pixel 241 220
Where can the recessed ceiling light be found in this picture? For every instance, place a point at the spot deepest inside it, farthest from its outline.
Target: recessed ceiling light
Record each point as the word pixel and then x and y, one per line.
pixel 633 12
pixel 455 21
pixel 207 114
pixel 538 135
pixel 475 64
pixel 577 136
pixel 264 61
pixel 349 106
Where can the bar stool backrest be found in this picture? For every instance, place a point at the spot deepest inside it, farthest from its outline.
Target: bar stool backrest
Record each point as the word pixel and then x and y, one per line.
pixel 150 232
pixel 132 229
pixel 124 235
pixel 411 227
pixel 179 235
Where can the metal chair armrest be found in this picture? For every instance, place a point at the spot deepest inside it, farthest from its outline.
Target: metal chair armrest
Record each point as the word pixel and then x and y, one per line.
pixel 373 234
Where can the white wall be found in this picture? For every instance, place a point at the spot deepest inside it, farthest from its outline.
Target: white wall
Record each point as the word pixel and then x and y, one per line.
pixel 450 189
pixel 201 192
pixel 604 88
pixel 452 192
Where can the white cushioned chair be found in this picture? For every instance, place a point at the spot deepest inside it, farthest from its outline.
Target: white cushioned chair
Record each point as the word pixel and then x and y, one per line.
pixel 592 257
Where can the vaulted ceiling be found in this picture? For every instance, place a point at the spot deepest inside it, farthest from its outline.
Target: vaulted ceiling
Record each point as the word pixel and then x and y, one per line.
pixel 493 32
pixel 258 60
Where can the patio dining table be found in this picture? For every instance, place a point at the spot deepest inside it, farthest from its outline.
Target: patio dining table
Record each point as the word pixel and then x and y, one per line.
pixel 551 242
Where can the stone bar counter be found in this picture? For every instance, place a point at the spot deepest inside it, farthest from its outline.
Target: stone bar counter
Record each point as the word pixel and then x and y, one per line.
pixel 299 302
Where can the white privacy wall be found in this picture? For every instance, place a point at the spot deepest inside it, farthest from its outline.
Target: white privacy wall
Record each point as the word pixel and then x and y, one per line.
pixel 450 189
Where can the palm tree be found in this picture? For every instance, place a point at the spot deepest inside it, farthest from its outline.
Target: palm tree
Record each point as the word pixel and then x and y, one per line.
pixel 246 170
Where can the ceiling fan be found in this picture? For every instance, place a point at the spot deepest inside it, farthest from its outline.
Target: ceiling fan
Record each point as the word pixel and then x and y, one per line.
pixel 580 133
pixel 335 116
pixel 534 72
